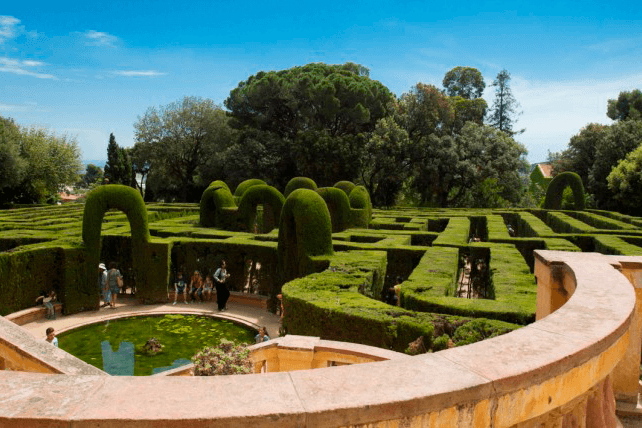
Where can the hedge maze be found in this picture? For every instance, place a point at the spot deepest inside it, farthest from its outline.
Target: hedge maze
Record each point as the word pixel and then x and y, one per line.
pixel 466 274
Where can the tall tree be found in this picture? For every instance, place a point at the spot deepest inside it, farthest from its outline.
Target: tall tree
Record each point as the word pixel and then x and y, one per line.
pixel 627 106
pixel 502 115
pixel 579 156
pixel 114 168
pixel 93 174
pixel 619 140
pixel 465 82
pixel 141 157
pixel 466 110
pixel 12 164
pixel 625 182
pixel 302 114
pixel 386 162
pixel 181 136
pixel 36 163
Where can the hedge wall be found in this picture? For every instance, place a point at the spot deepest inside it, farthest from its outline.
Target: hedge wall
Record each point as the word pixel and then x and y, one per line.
pixel 305 231
pixel 329 305
pixel 339 207
pixel 299 183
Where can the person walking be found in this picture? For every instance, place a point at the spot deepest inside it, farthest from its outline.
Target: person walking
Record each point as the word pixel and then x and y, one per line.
pixel 115 280
pixel 222 293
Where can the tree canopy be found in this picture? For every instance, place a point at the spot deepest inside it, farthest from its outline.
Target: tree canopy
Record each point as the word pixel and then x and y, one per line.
pixel 308 120
pixel 36 163
pixel 180 139
pixel 627 106
pixel 465 82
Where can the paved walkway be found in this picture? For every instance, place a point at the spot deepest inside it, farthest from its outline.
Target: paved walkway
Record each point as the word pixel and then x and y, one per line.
pixel 127 305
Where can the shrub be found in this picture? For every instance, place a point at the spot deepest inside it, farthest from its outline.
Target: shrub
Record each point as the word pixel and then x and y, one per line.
pixel 241 188
pixel 361 207
pixel 268 196
pixel 305 231
pixel 224 359
pixel 217 208
pixel 346 186
pixel 299 183
pixel 555 191
pixel 339 207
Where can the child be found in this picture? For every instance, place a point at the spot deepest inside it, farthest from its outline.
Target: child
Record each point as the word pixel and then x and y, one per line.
pixel 51 336
pixel 179 287
pixel 48 300
pixel 262 336
pixel 208 287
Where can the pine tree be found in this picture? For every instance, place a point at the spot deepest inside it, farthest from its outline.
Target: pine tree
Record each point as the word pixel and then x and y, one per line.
pixel 114 167
pixel 504 110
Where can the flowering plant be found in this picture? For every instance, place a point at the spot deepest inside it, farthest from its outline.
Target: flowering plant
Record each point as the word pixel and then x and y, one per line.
pixel 224 359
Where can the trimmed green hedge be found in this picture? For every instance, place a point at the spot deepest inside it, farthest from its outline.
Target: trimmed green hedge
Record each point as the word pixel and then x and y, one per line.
pixel 331 306
pixel 299 183
pixel 305 232
pixel 555 191
pixel 260 194
pixel 361 207
pixel 129 201
pixel 217 208
pixel 563 223
pixel 431 286
pixel 243 186
pixel 345 185
pixel 339 207
pixel 456 232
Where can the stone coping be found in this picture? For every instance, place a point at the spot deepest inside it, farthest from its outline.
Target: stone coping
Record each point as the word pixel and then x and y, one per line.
pixel 579 344
pixel 310 344
pixel 30 314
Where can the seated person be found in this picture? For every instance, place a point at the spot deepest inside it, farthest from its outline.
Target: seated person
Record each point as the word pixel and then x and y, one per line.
pixel 262 336
pixel 48 300
pixel 179 287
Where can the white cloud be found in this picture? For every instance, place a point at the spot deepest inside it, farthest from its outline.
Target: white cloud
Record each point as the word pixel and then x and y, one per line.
pixel 31 63
pixel 139 73
pixel 554 111
pixel 98 38
pixel 9 28
pixel 14 66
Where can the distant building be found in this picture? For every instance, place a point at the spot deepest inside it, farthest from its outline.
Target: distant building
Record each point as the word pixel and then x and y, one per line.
pixel 541 175
pixel 68 197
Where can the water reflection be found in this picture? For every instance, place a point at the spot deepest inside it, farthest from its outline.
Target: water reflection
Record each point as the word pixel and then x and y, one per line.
pixel 118 363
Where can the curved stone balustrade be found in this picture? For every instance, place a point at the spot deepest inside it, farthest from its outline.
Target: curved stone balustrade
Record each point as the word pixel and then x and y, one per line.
pixel 554 372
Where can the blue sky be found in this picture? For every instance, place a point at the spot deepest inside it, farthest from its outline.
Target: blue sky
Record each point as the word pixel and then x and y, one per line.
pixel 91 68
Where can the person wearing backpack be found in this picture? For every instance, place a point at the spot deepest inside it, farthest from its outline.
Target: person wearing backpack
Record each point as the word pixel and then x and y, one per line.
pixel 115 280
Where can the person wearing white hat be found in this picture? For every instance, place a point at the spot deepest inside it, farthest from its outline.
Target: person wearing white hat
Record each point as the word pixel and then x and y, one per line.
pixel 102 282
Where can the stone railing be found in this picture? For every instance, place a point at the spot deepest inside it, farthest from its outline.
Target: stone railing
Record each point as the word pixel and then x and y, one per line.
pixel 558 371
pixel 290 353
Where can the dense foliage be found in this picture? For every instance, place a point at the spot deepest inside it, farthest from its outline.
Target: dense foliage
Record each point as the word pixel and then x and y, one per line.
pixel 35 164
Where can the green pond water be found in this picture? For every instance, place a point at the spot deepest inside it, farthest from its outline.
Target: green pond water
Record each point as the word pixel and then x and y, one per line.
pixel 116 346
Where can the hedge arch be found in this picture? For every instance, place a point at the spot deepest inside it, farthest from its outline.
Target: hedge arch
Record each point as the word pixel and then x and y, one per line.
pixel 299 183
pixel 217 208
pixel 305 231
pixel 553 200
pixel 260 194
pixel 361 207
pixel 219 183
pixel 241 188
pixel 345 185
pixel 339 207
pixel 129 201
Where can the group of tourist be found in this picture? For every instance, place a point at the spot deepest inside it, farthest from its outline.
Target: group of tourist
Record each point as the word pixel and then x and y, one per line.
pixel 203 290
pixel 110 283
